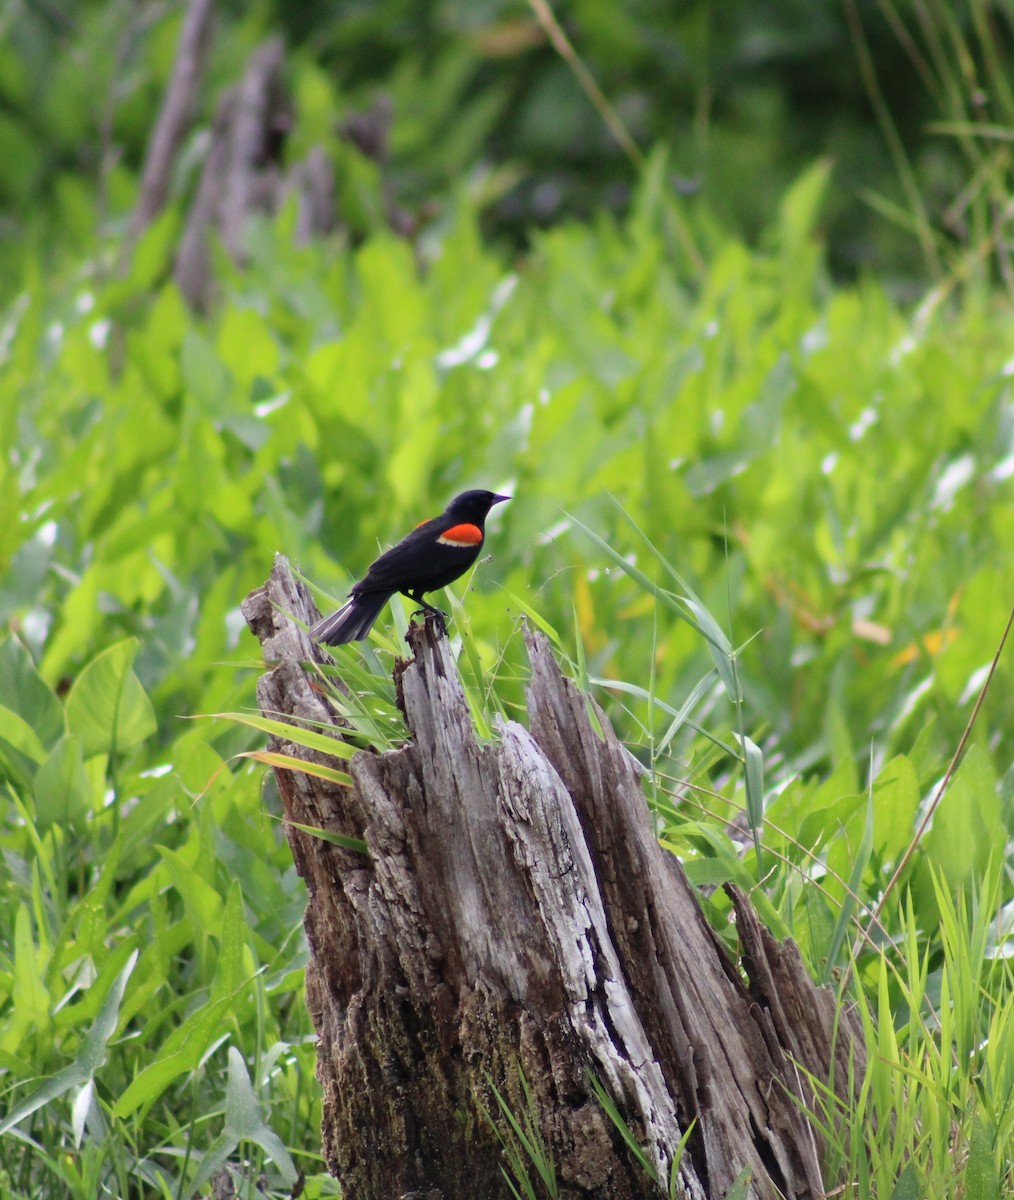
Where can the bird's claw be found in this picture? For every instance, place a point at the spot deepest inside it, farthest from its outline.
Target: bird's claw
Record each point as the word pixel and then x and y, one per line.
pixel 437 615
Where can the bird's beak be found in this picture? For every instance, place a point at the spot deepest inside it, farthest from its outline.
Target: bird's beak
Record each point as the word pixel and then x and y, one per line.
pixel 500 499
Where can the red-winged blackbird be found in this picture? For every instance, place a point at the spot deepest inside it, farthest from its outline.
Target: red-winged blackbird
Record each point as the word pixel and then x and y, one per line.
pixel 433 555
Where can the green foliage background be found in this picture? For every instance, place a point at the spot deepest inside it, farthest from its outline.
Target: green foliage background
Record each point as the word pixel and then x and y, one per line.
pixel 910 101
pixel 830 470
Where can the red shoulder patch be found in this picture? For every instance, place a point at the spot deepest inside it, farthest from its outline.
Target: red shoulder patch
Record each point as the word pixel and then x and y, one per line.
pixel 461 535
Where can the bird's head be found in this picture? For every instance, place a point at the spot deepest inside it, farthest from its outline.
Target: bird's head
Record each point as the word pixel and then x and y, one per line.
pixel 473 506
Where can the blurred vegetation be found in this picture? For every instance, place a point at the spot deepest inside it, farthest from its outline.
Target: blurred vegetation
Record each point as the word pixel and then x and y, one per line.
pixel 829 469
pixel 908 101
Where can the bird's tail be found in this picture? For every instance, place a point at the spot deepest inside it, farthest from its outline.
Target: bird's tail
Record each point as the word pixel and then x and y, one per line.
pixel 353 621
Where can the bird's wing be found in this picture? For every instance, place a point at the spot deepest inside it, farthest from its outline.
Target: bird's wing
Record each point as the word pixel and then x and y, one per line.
pixel 387 573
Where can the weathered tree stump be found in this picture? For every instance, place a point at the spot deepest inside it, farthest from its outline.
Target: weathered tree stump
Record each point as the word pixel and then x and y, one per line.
pixel 515 913
pixel 244 172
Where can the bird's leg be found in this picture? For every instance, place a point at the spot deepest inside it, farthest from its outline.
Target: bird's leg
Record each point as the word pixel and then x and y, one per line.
pixel 428 610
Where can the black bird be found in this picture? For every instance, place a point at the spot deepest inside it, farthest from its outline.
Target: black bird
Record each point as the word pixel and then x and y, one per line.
pixel 433 555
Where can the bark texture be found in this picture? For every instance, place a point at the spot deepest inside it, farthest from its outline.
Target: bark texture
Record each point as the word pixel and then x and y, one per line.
pixel 515 911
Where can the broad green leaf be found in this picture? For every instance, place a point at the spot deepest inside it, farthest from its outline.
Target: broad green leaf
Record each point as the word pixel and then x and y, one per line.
pixel 155 249
pixel 980 1177
pixel 108 706
pixel 967 825
pixel 86 1009
pixel 243 1122
pixel 62 788
pixel 207 378
pixel 25 692
pixel 845 836
pixel 909 1185
pixel 202 900
pixel 801 206
pixel 811 924
pixel 411 465
pixel 740 1188
pixel 246 344
pixel 842 749
pixel 21 752
pixel 93 1051
pixel 896 797
pixel 761 422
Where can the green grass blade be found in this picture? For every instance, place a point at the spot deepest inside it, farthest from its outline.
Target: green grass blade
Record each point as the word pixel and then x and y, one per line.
pixel 328 835
pixel 288 732
pixel 675 604
pixel 614 1115
pixel 855 880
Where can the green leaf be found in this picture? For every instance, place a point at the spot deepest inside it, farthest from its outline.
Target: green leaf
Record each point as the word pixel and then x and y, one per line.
pixel 62 788
pixel 840 738
pixel 108 706
pixel 79 1112
pixel 721 649
pixel 674 604
pixel 614 1115
pixel 287 731
pixel 909 1185
pixel 207 378
pixel 682 717
pixel 801 206
pixel 980 1178
pixel 26 693
pixel 677 1158
pixel 93 1051
pixel 529 1138
pixel 181 1052
pixel 202 900
pixel 753 780
pixel 243 1122
pixel 21 751
pixel 91 1056
pixel 967 825
pixel 30 995
pixel 357 845
pixel 761 422
pixel 739 1190
pixel 87 1008
pixel 230 975
pixel 537 619
pixel 861 862
pixel 896 792
pixel 288 762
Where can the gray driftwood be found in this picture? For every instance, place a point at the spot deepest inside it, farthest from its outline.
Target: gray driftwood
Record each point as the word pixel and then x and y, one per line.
pixel 515 913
